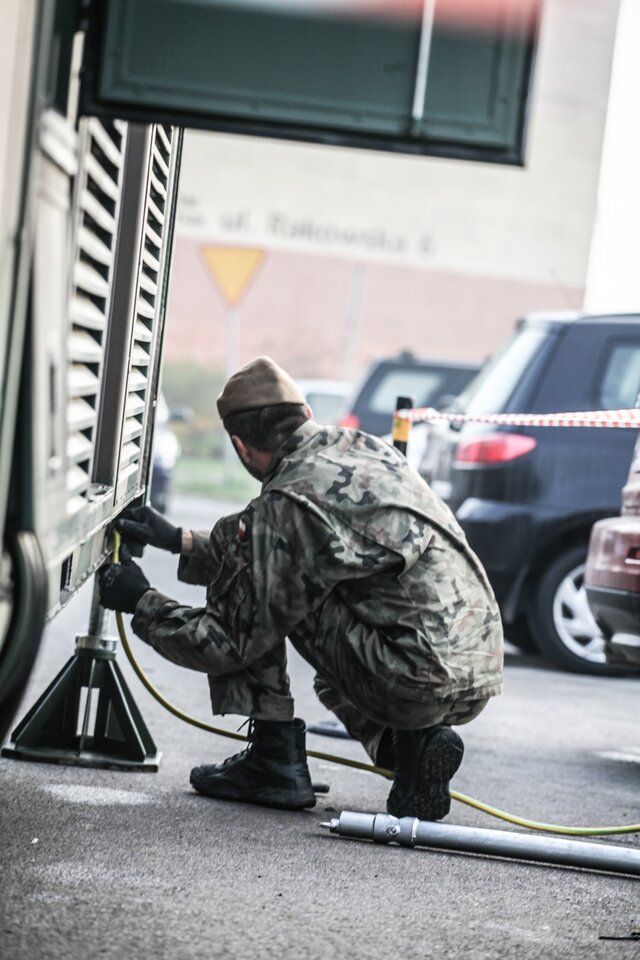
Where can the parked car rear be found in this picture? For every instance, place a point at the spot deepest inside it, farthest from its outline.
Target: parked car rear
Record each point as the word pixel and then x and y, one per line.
pixel 612 575
pixel 326 398
pixel 430 383
pixel 527 497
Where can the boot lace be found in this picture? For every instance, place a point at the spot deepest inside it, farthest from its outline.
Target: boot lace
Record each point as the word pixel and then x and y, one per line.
pixel 250 738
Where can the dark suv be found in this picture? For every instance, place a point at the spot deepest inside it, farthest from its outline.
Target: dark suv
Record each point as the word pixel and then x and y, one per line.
pixel 431 383
pixel 527 497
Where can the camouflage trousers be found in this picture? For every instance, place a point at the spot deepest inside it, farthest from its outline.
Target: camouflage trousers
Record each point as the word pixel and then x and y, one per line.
pixel 363 699
pixel 363 703
pixel 371 733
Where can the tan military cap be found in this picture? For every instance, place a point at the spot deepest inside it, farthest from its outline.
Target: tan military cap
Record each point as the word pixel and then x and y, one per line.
pixel 262 383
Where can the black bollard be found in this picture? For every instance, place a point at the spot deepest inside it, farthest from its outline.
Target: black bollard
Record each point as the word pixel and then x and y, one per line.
pixel 401 427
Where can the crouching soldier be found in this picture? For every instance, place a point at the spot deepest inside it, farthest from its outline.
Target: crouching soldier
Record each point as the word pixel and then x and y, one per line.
pixel 348 553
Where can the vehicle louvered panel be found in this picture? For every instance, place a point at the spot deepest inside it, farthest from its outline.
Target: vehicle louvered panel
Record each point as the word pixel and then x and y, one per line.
pixel 78 448
pixel 132 431
pixel 97 194
pixel 82 381
pixel 148 293
pixel 135 406
pixel 84 313
pixel 141 332
pixel 83 347
pixel 80 416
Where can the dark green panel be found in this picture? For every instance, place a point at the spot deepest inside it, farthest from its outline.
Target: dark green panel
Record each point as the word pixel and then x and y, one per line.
pixel 286 72
pixel 60 53
pixel 239 61
pixel 475 88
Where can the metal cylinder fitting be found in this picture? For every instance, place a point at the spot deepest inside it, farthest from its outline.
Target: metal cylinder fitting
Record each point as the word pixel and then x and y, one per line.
pixel 100 645
pixel 96 643
pixel 408 831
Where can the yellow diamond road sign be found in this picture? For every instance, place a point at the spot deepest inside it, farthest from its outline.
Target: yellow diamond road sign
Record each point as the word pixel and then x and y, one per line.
pixel 233 269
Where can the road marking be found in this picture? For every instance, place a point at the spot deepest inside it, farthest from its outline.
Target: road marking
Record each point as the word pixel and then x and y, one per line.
pixel 97 796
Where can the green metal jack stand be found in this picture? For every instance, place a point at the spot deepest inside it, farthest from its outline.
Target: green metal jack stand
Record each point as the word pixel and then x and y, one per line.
pixel 87 717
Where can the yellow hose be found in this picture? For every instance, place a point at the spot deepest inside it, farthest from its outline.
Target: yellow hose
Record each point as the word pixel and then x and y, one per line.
pixel 356 764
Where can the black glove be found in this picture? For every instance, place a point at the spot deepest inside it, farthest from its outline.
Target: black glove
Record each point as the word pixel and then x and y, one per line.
pixel 144 525
pixel 122 584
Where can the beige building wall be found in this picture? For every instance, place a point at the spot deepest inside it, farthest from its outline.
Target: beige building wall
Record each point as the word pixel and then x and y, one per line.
pixel 450 252
pixel 613 280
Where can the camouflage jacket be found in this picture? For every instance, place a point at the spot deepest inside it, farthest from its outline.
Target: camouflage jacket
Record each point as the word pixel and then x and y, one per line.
pixel 342 524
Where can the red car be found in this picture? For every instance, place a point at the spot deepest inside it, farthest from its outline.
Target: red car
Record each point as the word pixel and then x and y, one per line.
pixel 612 576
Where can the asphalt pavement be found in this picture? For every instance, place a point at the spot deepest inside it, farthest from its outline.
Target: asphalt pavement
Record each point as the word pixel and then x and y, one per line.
pixel 102 863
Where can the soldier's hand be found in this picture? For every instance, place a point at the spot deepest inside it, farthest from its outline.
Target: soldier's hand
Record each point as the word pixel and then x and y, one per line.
pixel 144 525
pixel 121 585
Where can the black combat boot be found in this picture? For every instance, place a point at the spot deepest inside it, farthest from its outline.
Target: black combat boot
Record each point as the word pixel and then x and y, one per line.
pixel 272 771
pixel 426 760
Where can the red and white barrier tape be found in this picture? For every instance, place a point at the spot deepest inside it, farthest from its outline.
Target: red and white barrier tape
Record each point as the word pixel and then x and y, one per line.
pixel 620 419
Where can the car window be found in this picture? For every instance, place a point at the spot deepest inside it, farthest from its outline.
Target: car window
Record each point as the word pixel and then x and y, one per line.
pixel 620 382
pixel 423 385
pixel 492 388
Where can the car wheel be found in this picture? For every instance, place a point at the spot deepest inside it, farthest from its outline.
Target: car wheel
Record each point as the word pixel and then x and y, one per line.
pixel 23 608
pixel 561 620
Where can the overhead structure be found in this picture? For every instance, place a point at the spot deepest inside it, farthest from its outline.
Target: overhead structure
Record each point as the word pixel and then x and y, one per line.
pixel 423 77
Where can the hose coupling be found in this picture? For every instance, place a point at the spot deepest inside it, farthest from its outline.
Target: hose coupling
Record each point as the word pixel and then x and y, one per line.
pixel 379 827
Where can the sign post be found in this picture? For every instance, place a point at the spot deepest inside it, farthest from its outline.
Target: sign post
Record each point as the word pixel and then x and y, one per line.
pixel 233 269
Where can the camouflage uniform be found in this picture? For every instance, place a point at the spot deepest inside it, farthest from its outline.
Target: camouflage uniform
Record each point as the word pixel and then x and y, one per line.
pixel 351 555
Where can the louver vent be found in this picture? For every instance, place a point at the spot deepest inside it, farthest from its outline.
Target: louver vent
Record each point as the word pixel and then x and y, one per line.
pixel 97 197
pixel 148 306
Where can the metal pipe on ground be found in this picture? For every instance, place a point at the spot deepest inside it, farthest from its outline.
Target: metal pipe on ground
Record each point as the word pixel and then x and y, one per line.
pixel 410 832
